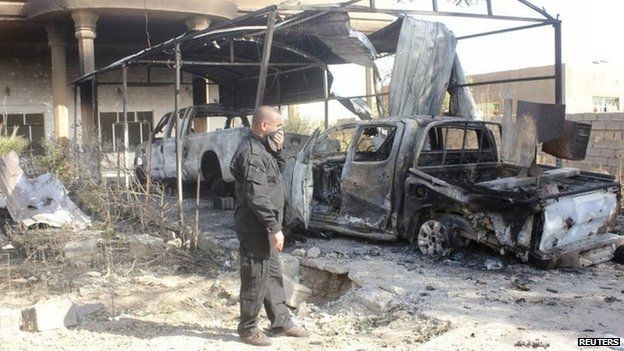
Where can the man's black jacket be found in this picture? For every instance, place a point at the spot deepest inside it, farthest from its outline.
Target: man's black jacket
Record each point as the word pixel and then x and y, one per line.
pixel 260 192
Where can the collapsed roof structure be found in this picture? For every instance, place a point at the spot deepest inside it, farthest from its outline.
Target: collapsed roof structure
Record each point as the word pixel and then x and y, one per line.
pixel 269 57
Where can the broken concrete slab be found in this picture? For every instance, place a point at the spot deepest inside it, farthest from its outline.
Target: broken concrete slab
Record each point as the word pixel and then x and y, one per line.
pixel 89 309
pixel 40 200
pixel 289 265
pixel 314 252
pixel 10 320
pixel 49 315
pixel 299 252
pixel 375 299
pixel 295 292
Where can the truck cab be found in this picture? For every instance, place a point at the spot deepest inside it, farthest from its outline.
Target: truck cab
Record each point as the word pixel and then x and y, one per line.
pixel 440 183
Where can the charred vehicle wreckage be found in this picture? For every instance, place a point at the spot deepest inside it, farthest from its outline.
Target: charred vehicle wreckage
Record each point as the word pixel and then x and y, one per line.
pixel 210 135
pixel 440 182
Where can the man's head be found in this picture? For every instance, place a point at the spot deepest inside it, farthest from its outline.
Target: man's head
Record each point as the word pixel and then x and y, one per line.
pixel 266 120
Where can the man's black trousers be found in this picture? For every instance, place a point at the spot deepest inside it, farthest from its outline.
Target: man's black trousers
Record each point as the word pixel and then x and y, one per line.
pixel 262 284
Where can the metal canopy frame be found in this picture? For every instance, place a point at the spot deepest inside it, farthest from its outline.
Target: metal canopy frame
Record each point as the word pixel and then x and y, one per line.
pixel 267 31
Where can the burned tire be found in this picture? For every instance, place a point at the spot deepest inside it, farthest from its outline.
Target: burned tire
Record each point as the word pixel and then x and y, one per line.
pixel 433 239
pixel 439 237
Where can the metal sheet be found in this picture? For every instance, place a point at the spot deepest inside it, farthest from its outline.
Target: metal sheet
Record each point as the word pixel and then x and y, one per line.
pixel 462 101
pixel 422 68
pixel 548 119
pixel 572 145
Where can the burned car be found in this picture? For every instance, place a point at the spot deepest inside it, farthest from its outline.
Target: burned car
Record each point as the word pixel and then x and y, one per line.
pixel 440 182
pixel 210 136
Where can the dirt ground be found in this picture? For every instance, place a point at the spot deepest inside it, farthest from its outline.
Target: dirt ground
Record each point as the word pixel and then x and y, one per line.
pixel 366 296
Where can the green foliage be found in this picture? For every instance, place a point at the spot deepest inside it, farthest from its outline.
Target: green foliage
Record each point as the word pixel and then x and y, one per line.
pixel 55 159
pixel 13 142
pixel 295 124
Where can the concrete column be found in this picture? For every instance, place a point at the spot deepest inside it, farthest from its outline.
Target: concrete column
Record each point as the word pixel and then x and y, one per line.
pixel 200 85
pixel 60 99
pixel 85 23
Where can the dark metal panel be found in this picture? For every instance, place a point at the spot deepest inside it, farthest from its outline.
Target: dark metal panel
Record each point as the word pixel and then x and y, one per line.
pixel 572 145
pixel 548 118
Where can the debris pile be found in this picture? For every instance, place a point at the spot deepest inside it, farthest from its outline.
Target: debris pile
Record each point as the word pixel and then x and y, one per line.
pixel 40 200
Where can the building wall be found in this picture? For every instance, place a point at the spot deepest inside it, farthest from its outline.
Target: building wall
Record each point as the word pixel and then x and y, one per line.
pixel 486 96
pixel 26 87
pixel 581 84
pixel 26 83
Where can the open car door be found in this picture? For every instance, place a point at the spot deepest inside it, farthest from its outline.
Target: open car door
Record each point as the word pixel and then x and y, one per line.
pixel 299 181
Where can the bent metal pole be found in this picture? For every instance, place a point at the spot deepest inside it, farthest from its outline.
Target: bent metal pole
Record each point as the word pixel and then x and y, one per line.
pixel 178 131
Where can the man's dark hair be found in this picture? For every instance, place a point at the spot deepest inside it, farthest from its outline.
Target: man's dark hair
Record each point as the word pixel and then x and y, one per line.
pixel 263 113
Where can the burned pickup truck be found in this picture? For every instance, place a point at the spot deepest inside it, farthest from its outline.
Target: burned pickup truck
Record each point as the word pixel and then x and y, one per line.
pixel 210 136
pixel 440 182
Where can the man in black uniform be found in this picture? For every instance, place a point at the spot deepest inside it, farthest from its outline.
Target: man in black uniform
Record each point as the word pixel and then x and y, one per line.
pixel 258 225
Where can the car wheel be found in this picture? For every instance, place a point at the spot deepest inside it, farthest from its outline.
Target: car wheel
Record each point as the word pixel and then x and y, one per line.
pixel 433 239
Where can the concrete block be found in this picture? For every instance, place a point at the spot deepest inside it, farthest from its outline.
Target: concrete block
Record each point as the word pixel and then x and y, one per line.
pixel 589 117
pixel 223 203
pixel 617 117
pixel 89 309
pixel 289 265
pixel 314 252
pixel 576 117
pixel 613 125
pixel 49 315
pixel 295 292
pixel 375 299
pixel 10 320
pixel 599 125
pixel 607 153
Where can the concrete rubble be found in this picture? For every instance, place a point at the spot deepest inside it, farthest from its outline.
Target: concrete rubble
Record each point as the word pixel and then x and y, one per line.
pixel 295 292
pixel 49 315
pixel 40 200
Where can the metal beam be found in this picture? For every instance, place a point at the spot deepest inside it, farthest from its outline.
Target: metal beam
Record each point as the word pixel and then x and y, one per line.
pixel 326 96
pixel 203 63
pixel 558 65
pixel 513 80
pixel 124 71
pixel 505 30
pixel 178 130
pixel 558 74
pixel 411 12
pixel 266 54
pixel 536 9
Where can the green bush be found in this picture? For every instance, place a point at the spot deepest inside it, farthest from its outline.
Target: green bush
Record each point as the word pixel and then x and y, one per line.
pixel 13 142
pixel 55 159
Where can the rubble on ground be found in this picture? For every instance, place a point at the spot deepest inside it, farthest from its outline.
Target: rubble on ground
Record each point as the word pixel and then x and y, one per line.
pixel 40 200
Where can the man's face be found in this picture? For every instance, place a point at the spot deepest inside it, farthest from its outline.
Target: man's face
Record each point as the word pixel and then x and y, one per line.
pixel 272 125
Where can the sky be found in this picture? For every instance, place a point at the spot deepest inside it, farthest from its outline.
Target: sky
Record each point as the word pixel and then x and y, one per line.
pixel 591 33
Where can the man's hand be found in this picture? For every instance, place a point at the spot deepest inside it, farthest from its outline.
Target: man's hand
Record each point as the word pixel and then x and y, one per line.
pixel 279 139
pixel 277 240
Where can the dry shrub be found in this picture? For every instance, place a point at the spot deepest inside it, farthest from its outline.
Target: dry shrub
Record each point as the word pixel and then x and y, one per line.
pixel 12 142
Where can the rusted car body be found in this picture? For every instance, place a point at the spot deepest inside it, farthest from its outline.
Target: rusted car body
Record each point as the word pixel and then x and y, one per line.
pixel 204 152
pixel 440 182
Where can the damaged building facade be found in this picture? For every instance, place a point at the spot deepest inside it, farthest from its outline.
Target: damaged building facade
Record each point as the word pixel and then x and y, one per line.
pixel 44 45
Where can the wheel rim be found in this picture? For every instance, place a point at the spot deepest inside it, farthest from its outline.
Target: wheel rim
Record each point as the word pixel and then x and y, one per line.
pixel 433 239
